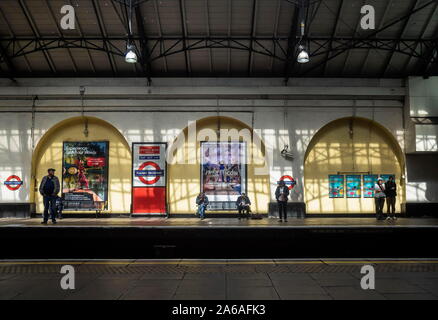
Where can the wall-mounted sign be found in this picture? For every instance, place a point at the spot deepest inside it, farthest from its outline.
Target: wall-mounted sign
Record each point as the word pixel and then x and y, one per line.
pixel 385 177
pixel 336 186
pixel 85 175
pixel 13 183
pixel 288 181
pixel 369 180
pixel 149 162
pixel 149 178
pixel 353 186
pixel 223 170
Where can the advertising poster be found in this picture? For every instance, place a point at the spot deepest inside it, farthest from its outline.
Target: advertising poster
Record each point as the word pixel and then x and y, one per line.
pixel 336 186
pixel 353 186
pixel 85 175
pixel 385 177
pixel 369 180
pixel 149 178
pixel 223 170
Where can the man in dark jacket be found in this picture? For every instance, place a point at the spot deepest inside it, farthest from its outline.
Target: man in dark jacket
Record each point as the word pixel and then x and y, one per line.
pixel 281 195
pixel 391 194
pixel 49 189
pixel 243 204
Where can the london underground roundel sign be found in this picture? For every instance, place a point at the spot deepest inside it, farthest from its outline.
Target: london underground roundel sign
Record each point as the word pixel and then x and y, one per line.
pixel 13 183
pixel 289 181
pixel 149 172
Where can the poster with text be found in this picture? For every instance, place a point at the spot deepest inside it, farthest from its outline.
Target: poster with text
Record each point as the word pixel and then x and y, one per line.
pixel 336 186
pixel 149 164
pixel 353 186
pixel 85 175
pixel 369 180
pixel 385 177
pixel 149 178
pixel 223 170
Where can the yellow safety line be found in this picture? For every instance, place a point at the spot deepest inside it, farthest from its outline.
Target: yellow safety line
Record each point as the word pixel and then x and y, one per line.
pixel 216 262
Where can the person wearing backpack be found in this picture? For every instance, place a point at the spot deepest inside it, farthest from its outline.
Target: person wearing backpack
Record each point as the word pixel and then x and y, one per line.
pixel 379 198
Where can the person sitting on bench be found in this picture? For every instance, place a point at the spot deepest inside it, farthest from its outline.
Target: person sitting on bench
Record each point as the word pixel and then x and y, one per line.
pixel 243 204
pixel 202 202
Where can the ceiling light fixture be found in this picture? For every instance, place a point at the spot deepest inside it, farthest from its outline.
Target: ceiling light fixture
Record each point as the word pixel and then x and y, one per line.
pixel 130 55
pixel 303 56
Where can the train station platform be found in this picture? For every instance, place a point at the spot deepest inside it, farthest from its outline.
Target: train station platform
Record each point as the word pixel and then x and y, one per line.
pixel 185 279
pixel 218 238
pixel 158 222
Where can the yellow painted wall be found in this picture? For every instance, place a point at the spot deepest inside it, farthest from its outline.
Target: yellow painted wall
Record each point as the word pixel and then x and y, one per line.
pixel 370 148
pixel 185 178
pixel 49 154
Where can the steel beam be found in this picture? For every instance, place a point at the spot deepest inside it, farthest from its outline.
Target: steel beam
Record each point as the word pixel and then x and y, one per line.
pixel 145 55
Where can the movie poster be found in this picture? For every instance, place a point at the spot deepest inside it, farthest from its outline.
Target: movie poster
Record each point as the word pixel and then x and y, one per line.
pixel 353 186
pixel 336 186
pixel 223 170
pixel 369 180
pixel 85 175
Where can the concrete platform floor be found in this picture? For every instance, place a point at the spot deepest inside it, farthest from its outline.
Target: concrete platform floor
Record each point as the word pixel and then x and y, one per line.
pixel 220 279
pixel 223 222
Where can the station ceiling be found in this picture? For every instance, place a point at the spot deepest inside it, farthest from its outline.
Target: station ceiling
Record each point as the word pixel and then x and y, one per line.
pixel 215 38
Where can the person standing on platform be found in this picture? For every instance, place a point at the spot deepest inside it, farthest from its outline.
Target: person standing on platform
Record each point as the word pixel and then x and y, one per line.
pixel 281 194
pixel 202 202
pixel 379 198
pixel 243 204
pixel 49 189
pixel 391 194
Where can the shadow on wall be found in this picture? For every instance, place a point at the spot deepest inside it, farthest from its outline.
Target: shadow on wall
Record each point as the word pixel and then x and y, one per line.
pixel 185 173
pixel 423 174
pixel 351 146
pixel 49 153
pixel 14 158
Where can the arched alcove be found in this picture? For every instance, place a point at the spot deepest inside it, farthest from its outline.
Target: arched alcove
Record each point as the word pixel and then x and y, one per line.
pixel 185 166
pixel 49 153
pixel 350 146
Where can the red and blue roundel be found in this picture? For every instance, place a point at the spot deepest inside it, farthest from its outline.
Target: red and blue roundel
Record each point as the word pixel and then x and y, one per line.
pixel 13 183
pixel 289 181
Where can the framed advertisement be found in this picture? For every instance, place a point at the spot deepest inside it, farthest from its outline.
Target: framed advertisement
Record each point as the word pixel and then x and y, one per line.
pixel 369 180
pixel 85 175
pixel 149 177
pixel 223 171
pixel 385 177
pixel 336 186
pixel 354 184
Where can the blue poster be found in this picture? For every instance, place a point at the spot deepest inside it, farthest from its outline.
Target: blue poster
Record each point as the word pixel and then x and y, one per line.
pixel 353 186
pixel 336 186
pixel 385 177
pixel 369 180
